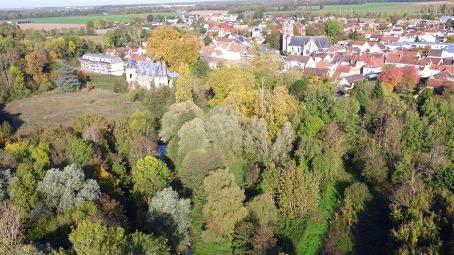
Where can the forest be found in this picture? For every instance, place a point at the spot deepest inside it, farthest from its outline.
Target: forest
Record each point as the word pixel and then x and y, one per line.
pixel 236 160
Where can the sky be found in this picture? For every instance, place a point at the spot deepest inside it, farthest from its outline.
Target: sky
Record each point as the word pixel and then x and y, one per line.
pixel 8 4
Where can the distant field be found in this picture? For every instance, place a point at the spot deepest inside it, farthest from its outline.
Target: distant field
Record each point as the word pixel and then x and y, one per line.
pixel 49 26
pixel 82 20
pixel 384 8
pixel 389 8
pixel 95 38
pixel 55 108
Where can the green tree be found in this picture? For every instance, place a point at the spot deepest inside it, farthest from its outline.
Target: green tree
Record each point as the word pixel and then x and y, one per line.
pixel 377 91
pixel 176 116
pixel 333 29
pixel 96 239
pixel 140 243
pixel 183 87
pixel 273 39
pixel 149 176
pixel 224 206
pixel 78 151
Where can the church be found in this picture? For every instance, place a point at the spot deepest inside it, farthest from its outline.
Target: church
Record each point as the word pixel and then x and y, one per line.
pixel 301 45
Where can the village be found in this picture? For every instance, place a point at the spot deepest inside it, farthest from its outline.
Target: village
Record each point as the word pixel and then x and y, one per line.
pixel 368 45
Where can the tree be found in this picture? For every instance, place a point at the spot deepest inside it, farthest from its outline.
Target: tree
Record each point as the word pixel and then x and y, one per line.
pixel 110 39
pixel 276 107
pixel 224 206
pixel 377 91
pixel 314 30
pixel 410 78
pixel 273 39
pixel 63 189
pixel 11 228
pixel 17 81
pixel 95 239
pixel 175 48
pixel 297 193
pixel 37 65
pixel 22 189
pixel 183 88
pixel 140 243
pixel 233 87
pixel 78 151
pixel 223 130
pixel 262 207
pixel 391 77
pixel 176 116
pixel 91 27
pixel 242 236
pixel 67 80
pixel 197 165
pixel 5 180
pixel 170 215
pixel 333 29
pixel 150 175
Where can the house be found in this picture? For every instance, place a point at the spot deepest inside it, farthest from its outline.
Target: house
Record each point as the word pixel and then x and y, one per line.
pixel 299 62
pixel 347 83
pixel 414 45
pixel 102 64
pixel 149 74
pixel 306 45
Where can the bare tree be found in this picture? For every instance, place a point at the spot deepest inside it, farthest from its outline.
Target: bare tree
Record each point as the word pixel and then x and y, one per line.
pixel 11 228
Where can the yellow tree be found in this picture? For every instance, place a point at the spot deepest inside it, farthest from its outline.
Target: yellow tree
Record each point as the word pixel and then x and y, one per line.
pixel 233 87
pixel 276 107
pixel 175 48
pixel 183 88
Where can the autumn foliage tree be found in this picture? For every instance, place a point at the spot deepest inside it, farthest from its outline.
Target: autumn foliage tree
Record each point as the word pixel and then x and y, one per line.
pixel 410 77
pixel 172 46
pixel 391 77
pixel 404 78
pixel 37 65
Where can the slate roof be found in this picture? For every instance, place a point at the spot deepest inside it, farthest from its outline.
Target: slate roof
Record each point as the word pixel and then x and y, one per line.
pixel 98 57
pixel 320 41
pixel 150 68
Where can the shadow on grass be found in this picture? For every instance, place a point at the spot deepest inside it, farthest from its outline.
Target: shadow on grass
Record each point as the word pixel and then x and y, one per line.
pixel 13 119
pixel 372 230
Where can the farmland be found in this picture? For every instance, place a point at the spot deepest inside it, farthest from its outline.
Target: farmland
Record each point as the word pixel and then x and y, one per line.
pixel 388 8
pixel 54 108
pixel 383 8
pixel 82 20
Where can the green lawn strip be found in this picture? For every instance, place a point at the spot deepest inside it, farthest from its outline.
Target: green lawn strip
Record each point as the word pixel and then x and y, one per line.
pixel 238 170
pixel 316 230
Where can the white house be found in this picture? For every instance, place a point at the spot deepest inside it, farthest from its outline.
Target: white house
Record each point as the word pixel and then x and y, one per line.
pixel 299 62
pixel 102 64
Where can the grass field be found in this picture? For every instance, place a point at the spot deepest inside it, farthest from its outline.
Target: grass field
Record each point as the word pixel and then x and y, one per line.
pixel 82 20
pixel 95 38
pixel 55 108
pixel 388 8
